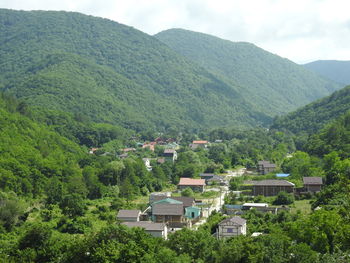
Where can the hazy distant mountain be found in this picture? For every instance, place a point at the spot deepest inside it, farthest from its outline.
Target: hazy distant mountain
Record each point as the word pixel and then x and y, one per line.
pixel 112 73
pixel 338 71
pixel 314 116
pixel 273 84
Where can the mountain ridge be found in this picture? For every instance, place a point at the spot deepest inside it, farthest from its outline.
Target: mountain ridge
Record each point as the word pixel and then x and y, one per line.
pixel 256 71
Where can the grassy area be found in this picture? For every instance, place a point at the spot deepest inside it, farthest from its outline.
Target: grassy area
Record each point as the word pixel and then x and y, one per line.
pixel 303 205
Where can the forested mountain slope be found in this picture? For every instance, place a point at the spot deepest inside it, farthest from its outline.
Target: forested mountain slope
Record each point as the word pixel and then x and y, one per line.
pixel 338 71
pixel 112 73
pixel 274 84
pixel 314 116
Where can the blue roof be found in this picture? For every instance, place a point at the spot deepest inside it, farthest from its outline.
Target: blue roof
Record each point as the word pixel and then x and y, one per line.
pixel 282 175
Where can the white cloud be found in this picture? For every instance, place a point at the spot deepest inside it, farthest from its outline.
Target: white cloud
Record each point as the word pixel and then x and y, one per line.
pixel 301 30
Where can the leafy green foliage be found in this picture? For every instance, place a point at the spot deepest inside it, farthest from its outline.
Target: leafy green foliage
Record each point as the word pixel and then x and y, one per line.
pixel 273 84
pixel 283 198
pixel 108 72
pixel 315 116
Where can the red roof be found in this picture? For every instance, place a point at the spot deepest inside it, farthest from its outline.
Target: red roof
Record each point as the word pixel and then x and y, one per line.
pixel 190 181
pixel 200 142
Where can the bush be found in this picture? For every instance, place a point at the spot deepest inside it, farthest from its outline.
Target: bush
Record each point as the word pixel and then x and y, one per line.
pixel 284 198
pixel 187 192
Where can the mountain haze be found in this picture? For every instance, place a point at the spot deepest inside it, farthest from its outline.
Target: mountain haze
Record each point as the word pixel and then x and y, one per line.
pixel 112 73
pixel 274 84
pixel 314 116
pixel 338 71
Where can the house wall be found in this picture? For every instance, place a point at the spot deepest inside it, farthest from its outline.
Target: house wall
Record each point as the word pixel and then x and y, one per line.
pixel 312 188
pixel 270 190
pixel 167 218
pixel 236 230
pixel 129 219
pixel 155 233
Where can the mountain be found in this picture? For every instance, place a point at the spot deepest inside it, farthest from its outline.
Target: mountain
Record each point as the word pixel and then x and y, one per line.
pixel 109 72
pixel 274 84
pixel 313 117
pixel 338 71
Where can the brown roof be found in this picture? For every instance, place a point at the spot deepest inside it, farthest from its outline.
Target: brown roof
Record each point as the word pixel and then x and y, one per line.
pixel 272 183
pixel 200 142
pixel 150 226
pixel 167 209
pixel 190 181
pixel 236 219
pixel 312 180
pixel 169 151
pixel 267 164
pixel 187 201
pixel 128 213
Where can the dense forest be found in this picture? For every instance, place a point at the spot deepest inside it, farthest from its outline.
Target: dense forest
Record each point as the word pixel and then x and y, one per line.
pixel 276 85
pixel 314 116
pixel 58 203
pixel 335 70
pixel 112 73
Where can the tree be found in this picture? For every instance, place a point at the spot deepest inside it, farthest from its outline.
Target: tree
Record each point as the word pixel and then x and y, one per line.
pixel 187 192
pixel 73 205
pixel 283 198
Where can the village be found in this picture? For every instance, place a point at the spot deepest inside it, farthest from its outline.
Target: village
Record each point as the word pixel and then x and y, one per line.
pixel 188 206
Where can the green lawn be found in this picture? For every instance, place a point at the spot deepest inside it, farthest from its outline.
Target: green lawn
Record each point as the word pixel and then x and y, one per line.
pixel 303 205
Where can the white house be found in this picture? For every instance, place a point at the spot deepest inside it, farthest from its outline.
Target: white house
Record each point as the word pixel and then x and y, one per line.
pixel 230 227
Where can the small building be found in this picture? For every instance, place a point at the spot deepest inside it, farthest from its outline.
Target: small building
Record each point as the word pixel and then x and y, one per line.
pixel 169 211
pixel 150 146
pixel 192 212
pixel 125 150
pixel 170 154
pixel 247 206
pixel 157 196
pixel 154 229
pixel 203 144
pixel 312 184
pixel 196 185
pixel 231 227
pixel 271 187
pixel 129 215
pixel 265 167
pixel 206 176
pixel 186 200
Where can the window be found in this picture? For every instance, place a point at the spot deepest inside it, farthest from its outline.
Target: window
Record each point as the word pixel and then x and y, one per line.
pixel 229 230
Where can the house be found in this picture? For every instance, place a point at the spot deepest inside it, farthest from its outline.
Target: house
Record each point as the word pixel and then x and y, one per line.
pixel 169 211
pixel 161 160
pixel 206 176
pixel 93 150
pixel 123 156
pixel 192 212
pixel 196 144
pixel 170 155
pixel 196 185
pixel 247 206
pixel 155 229
pixel 149 145
pixel 231 227
pixel 271 187
pixel 265 167
pixel 129 215
pixel 312 184
pixel 157 196
pixel 216 179
pixel 186 201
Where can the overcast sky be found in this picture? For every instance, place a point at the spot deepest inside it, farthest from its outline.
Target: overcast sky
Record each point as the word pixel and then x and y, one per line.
pixel 300 30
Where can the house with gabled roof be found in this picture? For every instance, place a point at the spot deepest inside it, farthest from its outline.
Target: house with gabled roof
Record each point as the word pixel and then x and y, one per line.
pixel 271 187
pixel 129 215
pixel 154 229
pixel 170 154
pixel 231 227
pixel 168 211
pixel 196 185
pixel 312 184
pixel 265 167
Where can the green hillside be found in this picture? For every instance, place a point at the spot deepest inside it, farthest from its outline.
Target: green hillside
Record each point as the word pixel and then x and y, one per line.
pixel 276 85
pixel 112 73
pixel 338 71
pixel 314 116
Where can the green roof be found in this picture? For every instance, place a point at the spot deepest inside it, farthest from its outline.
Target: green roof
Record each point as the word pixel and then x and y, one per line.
pixel 168 200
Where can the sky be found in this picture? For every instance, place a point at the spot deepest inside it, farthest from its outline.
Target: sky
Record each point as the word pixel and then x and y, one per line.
pixel 300 30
